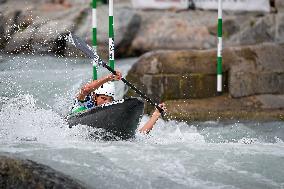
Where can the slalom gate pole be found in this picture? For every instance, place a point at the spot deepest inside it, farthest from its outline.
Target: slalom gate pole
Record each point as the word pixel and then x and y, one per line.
pixel 111 35
pixel 219 53
pixel 94 25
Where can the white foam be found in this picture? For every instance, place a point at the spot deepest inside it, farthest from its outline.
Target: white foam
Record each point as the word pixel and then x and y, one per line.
pixel 167 132
pixel 21 120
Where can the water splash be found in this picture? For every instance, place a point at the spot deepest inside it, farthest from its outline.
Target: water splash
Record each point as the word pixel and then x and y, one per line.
pixel 170 132
pixel 22 120
pixel 174 155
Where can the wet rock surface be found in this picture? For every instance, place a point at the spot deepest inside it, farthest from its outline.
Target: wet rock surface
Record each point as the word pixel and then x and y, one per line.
pixel 181 63
pixel 279 5
pixel 22 173
pixel 34 26
pixel 247 70
pixel 224 108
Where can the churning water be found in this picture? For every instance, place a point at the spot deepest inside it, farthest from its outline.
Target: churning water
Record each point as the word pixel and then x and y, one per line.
pixel 37 92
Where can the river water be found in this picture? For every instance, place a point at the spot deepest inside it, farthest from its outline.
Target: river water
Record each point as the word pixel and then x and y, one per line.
pixel 37 92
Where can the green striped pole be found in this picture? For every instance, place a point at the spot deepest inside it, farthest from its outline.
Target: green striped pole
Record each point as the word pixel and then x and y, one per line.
pixel 94 25
pixel 111 35
pixel 219 54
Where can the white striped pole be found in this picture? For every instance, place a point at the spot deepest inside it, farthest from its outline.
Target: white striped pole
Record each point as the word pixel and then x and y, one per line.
pixel 111 35
pixel 219 53
pixel 94 25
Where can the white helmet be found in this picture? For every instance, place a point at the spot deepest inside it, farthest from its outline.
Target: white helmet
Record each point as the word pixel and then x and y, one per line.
pixel 106 89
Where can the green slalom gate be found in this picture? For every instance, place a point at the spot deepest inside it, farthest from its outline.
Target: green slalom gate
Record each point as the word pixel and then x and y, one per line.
pixel 111 35
pixel 219 49
pixel 94 25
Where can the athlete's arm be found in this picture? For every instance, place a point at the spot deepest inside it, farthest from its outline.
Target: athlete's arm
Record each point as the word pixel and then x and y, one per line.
pixel 92 86
pixel 151 122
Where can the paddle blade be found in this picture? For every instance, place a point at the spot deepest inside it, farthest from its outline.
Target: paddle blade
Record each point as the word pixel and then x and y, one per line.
pixel 84 47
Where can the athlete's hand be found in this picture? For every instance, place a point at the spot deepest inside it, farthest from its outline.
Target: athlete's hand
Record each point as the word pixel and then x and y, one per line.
pixel 157 112
pixel 115 77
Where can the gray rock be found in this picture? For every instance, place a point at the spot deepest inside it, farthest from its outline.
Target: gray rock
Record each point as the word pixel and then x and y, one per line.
pixel 84 29
pixel 41 34
pixel 3 1
pixel 166 75
pixel 249 70
pixel 259 71
pixel 20 42
pixel 279 4
pixel 137 31
pixel 198 30
pixel 271 101
pixel 250 83
pixel 17 31
pixel 224 107
pixel 129 24
pixel 21 174
pixel 2 31
pixel 258 31
pixel 280 27
pixel 171 30
pixel 9 20
pixel 232 28
pixel 46 37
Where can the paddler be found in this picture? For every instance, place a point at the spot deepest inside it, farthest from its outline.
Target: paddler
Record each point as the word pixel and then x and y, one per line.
pixel 102 91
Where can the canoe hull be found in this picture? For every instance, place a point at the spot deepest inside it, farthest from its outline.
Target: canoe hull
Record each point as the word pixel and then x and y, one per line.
pixel 120 118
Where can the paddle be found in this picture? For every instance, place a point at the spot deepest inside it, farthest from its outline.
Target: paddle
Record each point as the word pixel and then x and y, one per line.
pixel 89 51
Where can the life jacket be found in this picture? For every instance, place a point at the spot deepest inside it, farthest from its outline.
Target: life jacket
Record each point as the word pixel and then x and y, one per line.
pixel 86 104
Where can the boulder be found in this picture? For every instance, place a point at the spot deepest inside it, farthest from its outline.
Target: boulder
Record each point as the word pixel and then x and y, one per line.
pixel 43 35
pixel 198 30
pixel 47 37
pixel 270 101
pixel 2 31
pixel 21 173
pixel 261 71
pixel 255 30
pixel 171 30
pixel 166 75
pixel 128 25
pixel 137 32
pixel 8 21
pixel 18 32
pixel 20 41
pixel 279 4
pixel 248 70
pixel 224 108
pixel 280 27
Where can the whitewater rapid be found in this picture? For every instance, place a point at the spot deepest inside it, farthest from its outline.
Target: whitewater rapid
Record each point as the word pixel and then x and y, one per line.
pixel 36 93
